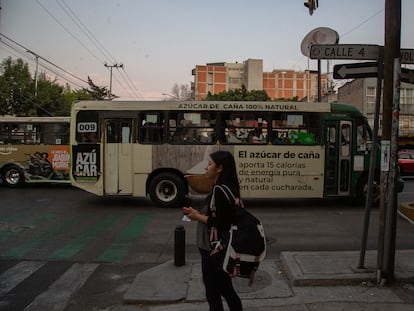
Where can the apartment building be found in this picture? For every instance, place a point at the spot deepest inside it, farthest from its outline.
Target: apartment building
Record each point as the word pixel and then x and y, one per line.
pixel 280 83
pixel 362 94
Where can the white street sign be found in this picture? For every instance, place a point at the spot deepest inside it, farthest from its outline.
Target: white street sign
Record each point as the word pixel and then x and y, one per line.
pixel 345 51
pixel 407 56
pixel 357 70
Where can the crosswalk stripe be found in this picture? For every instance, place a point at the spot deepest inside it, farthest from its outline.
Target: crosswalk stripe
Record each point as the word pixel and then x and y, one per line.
pixel 30 244
pixel 118 250
pixel 4 235
pixel 13 217
pixel 18 273
pixel 59 293
pixel 71 249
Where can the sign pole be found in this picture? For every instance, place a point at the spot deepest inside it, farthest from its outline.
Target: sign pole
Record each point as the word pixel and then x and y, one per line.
pixel 388 204
pixel 319 80
pixel 372 164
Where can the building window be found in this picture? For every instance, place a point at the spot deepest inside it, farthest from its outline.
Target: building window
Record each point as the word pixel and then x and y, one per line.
pixel 371 94
pixel 406 98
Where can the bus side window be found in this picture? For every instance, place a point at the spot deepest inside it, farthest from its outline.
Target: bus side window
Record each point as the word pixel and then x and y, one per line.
pixel 17 135
pixel 331 140
pixel 192 128
pixel 244 128
pixel 280 133
pixel 152 128
pixel 295 129
pixel 4 134
pixel 111 135
pixel 364 142
pixel 280 137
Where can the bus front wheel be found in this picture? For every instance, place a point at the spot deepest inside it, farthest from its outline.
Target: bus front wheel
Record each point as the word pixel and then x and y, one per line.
pixel 167 190
pixel 12 176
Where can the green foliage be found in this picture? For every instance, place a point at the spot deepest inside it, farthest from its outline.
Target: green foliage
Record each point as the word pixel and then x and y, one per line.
pixel 98 92
pixel 16 87
pixel 239 95
pixel 20 96
pixel 282 99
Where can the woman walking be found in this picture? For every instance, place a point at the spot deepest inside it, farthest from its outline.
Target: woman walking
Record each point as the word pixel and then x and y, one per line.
pixel 215 219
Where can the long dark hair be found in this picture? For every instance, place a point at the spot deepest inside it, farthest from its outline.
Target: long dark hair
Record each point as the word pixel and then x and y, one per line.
pixel 228 174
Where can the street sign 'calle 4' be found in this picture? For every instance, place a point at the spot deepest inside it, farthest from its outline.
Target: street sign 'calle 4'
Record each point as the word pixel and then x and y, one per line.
pixel 345 51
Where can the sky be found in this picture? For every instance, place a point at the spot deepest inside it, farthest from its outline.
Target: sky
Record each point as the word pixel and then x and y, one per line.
pixel 159 42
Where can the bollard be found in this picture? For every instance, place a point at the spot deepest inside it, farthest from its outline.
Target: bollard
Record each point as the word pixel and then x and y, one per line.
pixel 179 246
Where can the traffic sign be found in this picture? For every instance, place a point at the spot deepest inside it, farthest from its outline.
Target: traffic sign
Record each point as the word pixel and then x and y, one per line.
pixel 345 51
pixel 407 56
pixel 407 75
pixel 356 70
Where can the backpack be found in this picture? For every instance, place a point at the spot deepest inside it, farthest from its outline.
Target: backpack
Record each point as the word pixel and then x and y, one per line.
pixel 245 245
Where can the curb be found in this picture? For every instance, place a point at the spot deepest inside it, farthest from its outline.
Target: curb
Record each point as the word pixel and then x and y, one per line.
pixel 326 268
pixel 407 210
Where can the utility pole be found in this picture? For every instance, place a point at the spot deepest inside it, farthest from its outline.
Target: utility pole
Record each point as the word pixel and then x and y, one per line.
pixel 36 71
pixel 389 142
pixel 110 76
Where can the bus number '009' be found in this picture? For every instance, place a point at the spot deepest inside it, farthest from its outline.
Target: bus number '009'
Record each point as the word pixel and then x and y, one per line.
pixel 87 127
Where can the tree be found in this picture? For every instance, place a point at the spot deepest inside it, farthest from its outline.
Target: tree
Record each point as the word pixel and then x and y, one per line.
pixel 16 88
pixel 99 92
pixel 239 95
pixel 180 92
pixel 50 100
pixel 17 92
pixel 75 95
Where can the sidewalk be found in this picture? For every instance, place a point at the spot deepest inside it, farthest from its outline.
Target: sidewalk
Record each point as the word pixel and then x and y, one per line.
pixel 298 281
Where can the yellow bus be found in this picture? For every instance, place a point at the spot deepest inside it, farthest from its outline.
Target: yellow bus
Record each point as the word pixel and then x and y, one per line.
pixel 160 149
pixel 34 149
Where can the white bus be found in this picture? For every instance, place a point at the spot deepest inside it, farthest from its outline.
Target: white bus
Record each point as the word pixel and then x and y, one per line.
pixel 160 149
pixel 34 149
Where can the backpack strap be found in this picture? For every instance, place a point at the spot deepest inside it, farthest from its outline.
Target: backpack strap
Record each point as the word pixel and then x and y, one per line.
pixel 214 240
pixel 237 201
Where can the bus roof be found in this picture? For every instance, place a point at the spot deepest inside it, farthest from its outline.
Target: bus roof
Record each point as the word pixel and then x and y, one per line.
pixel 203 106
pixel 14 119
pixel 345 108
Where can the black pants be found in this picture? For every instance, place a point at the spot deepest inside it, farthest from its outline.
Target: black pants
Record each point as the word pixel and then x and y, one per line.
pixel 218 284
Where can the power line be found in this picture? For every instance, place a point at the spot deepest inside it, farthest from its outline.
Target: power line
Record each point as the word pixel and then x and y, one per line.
pixel 67 30
pixel 23 54
pixel 364 22
pixel 69 12
pixel 130 84
pixel 44 59
pixel 92 38
pixel 349 31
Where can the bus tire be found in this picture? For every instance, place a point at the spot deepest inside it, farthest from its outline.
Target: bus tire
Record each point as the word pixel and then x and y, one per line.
pixel 362 190
pixel 167 190
pixel 12 176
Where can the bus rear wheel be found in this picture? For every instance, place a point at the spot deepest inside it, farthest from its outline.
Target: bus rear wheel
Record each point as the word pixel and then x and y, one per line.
pixel 12 176
pixel 362 190
pixel 167 190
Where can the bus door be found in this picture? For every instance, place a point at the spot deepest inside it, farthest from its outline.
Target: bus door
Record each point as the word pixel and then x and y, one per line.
pixel 118 156
pixel 338 158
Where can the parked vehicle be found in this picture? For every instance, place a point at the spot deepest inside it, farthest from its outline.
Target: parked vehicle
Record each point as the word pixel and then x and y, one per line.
pixel 406 162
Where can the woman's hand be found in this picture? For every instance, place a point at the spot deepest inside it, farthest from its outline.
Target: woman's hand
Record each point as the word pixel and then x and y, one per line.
pixel 194 214
pixel 191 213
